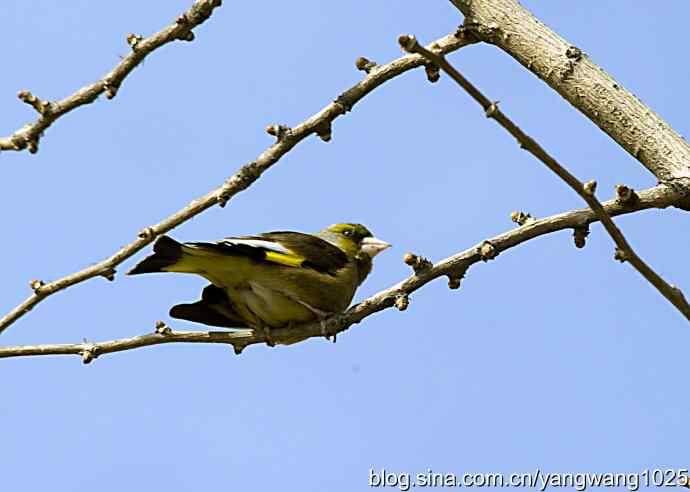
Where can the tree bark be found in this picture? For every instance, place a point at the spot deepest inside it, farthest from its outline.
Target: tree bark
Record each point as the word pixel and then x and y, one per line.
pixel 572 74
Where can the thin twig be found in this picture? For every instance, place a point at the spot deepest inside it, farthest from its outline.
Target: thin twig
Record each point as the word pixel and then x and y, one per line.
pixel 287 138
pixel 28 136
pixel 624 251
pixel 453 267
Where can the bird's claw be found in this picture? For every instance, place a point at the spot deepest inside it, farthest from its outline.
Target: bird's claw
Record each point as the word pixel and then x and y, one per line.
pixel 267 335
pixel 324 330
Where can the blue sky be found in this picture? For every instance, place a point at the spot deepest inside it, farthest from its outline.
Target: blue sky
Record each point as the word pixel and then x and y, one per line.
pixel 548 357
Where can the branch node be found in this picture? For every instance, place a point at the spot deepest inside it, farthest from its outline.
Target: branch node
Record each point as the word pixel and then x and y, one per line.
pixel 487 251
pixel 146 233
pixel 162 328
pixel 454 282
pixel 408 43
pixel 133 40
pixel 32 146
pixel 187 36
pixel 418 263
pixel 626 195
pixel 41 106
pixel 574 53
pixel 521 218
pixel 325 132
pixel 621 255
pixel 88 354
pixel 492 110
pixel 402 301
pixel 433 72
pixel 109 274
pixel 590 187
pixel 365 64
pixel 110 89
pixel 278 131
pixel 580 236
pixel 36 286
pixel 181 20
pixel 238 348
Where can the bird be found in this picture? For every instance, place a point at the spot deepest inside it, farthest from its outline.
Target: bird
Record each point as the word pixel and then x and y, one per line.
pixel 270 280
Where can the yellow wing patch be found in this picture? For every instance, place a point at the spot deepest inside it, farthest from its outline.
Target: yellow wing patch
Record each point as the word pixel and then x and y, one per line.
pixel 285 259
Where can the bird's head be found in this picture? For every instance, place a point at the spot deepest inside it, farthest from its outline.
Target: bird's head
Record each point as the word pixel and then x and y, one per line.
pixel 355 240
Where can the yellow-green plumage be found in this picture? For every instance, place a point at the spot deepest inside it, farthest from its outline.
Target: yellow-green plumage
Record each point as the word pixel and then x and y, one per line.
pixel 273 279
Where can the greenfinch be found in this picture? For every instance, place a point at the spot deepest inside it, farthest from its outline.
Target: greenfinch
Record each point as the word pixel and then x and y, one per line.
pixel 271 280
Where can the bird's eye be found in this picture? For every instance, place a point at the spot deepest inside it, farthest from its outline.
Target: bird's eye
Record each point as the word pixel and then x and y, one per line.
pixel 348 232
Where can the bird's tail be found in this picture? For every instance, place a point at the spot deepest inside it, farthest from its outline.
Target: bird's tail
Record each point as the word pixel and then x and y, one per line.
pixel 172 256
pixel 166 253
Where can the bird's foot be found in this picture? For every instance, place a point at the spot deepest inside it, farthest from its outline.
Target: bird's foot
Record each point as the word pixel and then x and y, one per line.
pixel 324 330
pixel 267 334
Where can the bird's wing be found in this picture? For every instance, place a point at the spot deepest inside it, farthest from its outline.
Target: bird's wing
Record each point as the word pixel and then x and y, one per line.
pixel 214 309
pixel 293 249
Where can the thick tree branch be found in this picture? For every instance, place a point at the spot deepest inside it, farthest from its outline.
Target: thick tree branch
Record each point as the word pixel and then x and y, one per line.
pixel 624 251
pixel 287 138
pixel 585 85
pixel 28 136
pixel 453 267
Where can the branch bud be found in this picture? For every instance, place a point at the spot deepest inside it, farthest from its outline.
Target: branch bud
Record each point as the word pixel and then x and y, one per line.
pixel 146 233
pixel 365 64
pixel 418 263
pixel 133 40
pixel 88 354
pixel 407 43
pixel 36 285
pixel 491 111
pixel 162 328
pixel 402 301
pixel 580 236
pixel 433 72
pixel 278 131
pixel 521 218
pixel 626 195
pixel 487 251
pixel 620 255
pixel 325 132
pixel 590 187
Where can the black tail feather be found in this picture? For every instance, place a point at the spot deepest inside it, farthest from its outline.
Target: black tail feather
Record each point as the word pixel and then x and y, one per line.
pixel 214 309
pixel 166 252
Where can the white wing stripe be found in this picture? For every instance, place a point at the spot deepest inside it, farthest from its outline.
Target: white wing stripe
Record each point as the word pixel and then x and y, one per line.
pixel 257 243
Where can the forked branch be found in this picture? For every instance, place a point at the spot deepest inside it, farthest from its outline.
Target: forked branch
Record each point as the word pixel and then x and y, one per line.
pixel 453 267
pixel 286 139
pixel 624 251
pixel 29 135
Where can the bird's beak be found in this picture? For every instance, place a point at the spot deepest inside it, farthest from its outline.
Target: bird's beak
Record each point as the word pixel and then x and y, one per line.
pixel 373 246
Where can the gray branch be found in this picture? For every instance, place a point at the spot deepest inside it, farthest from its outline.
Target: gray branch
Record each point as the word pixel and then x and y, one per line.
pixel 29 135
pixel 570 72
pixel 287 138
pixel 624 252
pixel 453 267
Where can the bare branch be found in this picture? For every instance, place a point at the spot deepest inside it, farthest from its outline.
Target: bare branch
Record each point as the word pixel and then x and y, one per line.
pixel 624 251
pixel 571 73
pixel 398 295
pixel 319 123
pixel 28 136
